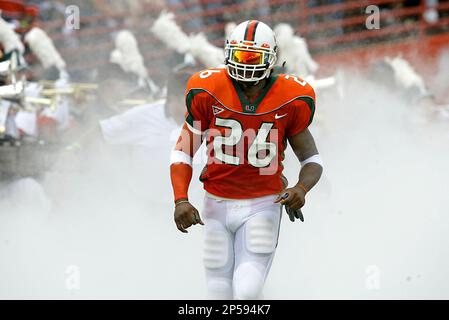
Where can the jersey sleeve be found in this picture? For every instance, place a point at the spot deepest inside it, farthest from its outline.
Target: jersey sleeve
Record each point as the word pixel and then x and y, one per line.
pixel 137 126
pixel 119 129
pixel 301 112
pixel 198 103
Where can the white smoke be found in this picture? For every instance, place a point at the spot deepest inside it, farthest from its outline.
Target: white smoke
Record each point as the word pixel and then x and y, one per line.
pixel 405 75
pixel 208 54
pixel 293 50
pixel 42 46
pixel 370 231
pixel 9 39
pixel 441 79
pixel 376 226
pixel 229 27
pixel 127 55
pixel 170 33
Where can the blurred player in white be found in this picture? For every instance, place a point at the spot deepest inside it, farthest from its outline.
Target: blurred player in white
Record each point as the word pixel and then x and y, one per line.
pixel 153 125
pixel 246 114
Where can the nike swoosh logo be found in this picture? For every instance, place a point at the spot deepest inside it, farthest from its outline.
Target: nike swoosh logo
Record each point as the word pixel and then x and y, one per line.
pixel 278 117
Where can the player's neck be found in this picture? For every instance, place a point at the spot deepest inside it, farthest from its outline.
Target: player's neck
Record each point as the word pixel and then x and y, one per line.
pixel 251 89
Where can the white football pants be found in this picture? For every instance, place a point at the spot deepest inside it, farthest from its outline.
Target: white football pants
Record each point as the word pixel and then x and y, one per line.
pixel 239 244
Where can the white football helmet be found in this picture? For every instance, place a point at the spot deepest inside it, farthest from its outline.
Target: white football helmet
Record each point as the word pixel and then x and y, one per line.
pixel 250 51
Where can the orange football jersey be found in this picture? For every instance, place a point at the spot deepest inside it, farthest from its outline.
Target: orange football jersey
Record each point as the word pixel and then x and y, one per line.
pixel 246 139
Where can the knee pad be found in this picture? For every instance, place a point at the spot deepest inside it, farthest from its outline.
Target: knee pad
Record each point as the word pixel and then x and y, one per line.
pixel 216 246
pixel 248 282
pixel 219 289
pixel 261 235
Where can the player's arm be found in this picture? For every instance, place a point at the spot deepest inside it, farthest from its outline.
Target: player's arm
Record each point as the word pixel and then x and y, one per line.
pixel 304 147
pixel 181 174
pixel 198 115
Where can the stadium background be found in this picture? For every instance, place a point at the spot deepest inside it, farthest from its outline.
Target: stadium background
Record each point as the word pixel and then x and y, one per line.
pixel 334 29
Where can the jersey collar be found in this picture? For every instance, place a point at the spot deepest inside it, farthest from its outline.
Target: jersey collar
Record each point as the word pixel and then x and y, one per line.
pixel 251 107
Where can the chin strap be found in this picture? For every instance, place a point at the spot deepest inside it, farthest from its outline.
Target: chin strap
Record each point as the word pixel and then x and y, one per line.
pixel 266 78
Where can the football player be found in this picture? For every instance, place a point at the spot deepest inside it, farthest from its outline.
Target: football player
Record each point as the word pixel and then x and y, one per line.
pixel 246 115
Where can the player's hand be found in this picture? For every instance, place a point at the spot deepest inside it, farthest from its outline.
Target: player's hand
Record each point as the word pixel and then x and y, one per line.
pixel 186 215
pixel 294 200
pixel 294 214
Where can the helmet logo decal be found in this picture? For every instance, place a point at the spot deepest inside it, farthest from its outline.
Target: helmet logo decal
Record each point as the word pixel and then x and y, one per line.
pixel 250 31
